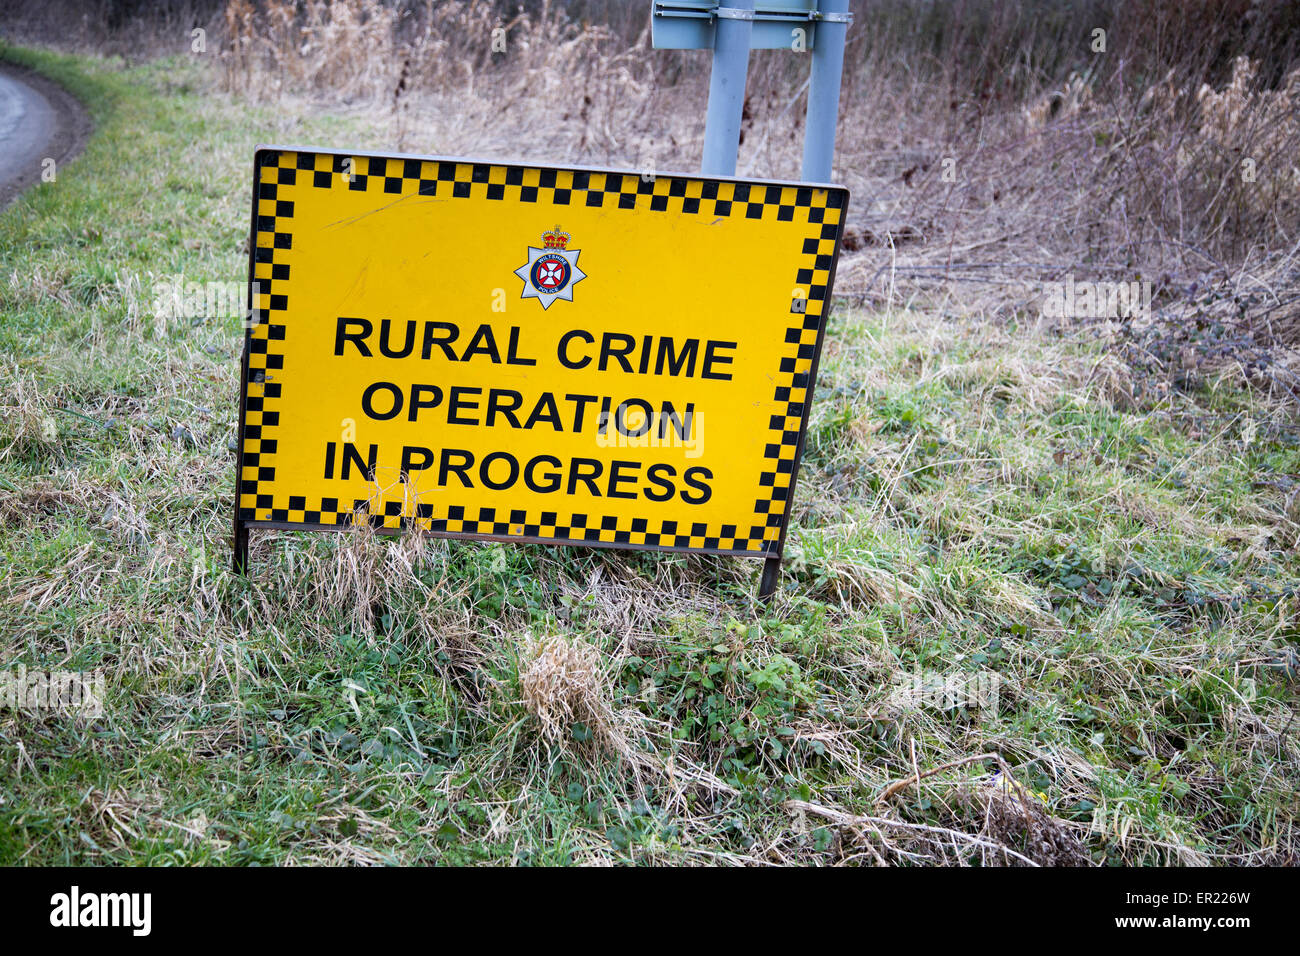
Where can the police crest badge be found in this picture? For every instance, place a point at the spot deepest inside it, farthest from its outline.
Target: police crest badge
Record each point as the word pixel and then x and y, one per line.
pixel 551 271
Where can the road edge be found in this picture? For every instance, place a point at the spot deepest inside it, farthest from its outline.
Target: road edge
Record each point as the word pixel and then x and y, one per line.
pixel 73 128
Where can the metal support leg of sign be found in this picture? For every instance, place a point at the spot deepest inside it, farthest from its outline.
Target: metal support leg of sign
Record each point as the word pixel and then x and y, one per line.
pixel 727 88
pixel 824 91
pixel 240 551
pixel 241 548
pixel 771 575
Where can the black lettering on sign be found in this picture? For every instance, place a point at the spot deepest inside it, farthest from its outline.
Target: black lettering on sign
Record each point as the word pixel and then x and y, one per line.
pixel 483 343
pixel 586 470
pixel 512 353
pixel 552 479
pixel 409 462
pixel 581 402
pixel 690 477
pixel 667 488
pixel 562 352
pixel 617 350
pixel 616 478
pixel 352 458
pixel 546 411
pixel 458 402
pixel 681 426
pixel 604 415
pixel 542 474
pixel 676 361
pixel 368 401
pixel 711 358
pixel 447 466
pixel 386 340
pixel 362 327
pixel 620 417
pixel 485 470
pixel 418 400
pixel 615 345
pixel 441 334
pixel 504 402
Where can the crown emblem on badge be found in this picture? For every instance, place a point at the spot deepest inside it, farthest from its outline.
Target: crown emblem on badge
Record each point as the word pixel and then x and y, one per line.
pixel 555 238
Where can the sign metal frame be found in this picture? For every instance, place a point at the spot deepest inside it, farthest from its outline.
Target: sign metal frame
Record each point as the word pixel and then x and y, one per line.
pixel 731 29
pixel 260 306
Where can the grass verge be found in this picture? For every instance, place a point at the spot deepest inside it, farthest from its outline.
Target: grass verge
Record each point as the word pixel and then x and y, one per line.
pixel 983 506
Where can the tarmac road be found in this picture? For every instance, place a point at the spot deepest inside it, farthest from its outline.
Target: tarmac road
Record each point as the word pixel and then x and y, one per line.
pixel 38 120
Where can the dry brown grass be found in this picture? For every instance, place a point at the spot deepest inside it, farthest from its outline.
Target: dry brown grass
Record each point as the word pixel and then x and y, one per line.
pixel 564 682
pixel 1114 164
pixel 448 76
pixel 983 160
pixel 566 685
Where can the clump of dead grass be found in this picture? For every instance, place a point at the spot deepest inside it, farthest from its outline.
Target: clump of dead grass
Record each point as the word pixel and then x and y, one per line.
pixel 27 421
pixel 563 682
pixel 1255 132
pixel 566 686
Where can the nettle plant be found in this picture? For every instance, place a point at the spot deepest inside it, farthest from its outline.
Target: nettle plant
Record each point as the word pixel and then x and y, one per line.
pixel 725 694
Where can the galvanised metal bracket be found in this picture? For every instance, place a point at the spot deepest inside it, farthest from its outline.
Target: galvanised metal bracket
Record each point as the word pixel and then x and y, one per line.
pixel 795 12
pixel 731 32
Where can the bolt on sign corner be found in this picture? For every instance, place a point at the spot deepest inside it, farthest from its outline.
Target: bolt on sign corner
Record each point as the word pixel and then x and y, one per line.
pixel 529 353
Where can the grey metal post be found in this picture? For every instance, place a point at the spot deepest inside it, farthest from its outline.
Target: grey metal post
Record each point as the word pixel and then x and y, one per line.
pixel 727 88
pixel 824 91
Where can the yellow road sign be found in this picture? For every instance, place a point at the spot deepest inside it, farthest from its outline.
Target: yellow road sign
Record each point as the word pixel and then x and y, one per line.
pixel 562 355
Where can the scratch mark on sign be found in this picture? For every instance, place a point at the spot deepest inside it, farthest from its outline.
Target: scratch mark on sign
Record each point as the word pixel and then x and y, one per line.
pixel 356 219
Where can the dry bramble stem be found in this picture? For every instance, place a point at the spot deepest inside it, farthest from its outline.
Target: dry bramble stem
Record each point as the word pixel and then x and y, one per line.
pixel 898 785
pixel 849 820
